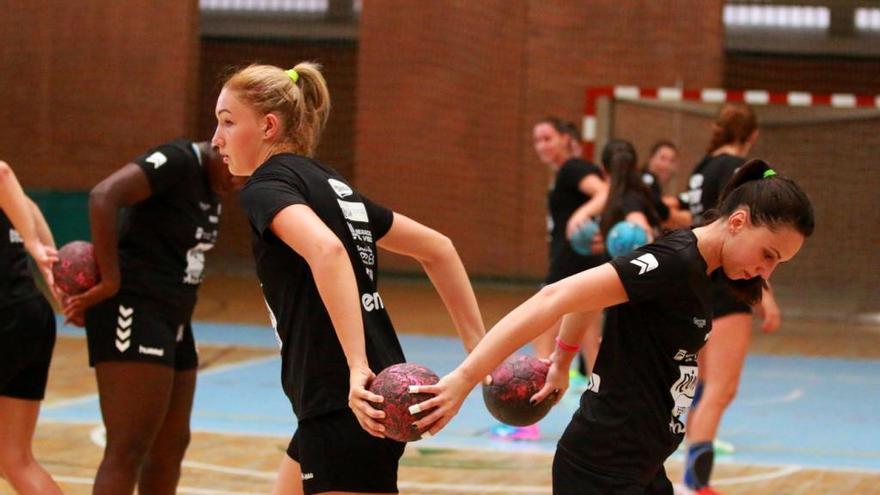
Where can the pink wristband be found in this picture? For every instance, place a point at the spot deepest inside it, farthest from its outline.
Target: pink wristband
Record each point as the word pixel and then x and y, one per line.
pixel 566 347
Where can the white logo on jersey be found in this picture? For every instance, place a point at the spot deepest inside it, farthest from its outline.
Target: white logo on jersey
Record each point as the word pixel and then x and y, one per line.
pixel 372 301
pixel 204 206
pixel 356 212
pixel 700 322
pixel 273 321
pixel 195 263
pixel 646 263
pixel 157 159
pixel 307 476
pixel 648 179
pixel 369 273
pixel 123 328
pixel 682 392
pixel 179 333
pixel 15 237
pixel 153 351
pixel 684 355
pixel 367 255
pixel 595 381
pixel 341 188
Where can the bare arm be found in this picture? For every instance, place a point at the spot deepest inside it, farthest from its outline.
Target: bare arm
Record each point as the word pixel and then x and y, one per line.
pixel 595 187
pixel 443 266
pixel 124 187
pixel 301 229
pixel 587 291
pixel 43 231
pixel 29 222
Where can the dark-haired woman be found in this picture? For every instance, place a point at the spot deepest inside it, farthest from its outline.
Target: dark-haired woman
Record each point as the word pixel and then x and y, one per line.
pixel 660 314
pixel 734 132
pixel 629 199
pixel 659 170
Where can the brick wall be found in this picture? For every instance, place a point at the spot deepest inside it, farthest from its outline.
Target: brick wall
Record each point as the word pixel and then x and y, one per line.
pixel 448 93
pixel 80 94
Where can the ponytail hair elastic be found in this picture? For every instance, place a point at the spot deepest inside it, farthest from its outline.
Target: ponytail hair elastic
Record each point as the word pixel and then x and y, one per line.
pixel 769 173
pixel 293 75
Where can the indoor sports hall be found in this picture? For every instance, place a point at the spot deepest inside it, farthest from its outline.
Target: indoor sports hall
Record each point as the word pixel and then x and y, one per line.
pixel 433 108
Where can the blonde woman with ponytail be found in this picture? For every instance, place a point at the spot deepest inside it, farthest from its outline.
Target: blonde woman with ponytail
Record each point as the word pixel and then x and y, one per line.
pixel 314 242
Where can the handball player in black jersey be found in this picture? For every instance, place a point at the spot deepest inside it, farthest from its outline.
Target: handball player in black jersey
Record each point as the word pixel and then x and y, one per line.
pixel 734 132
pixel 659 170
pixel 27 334
pixel 152 222
pixel 315 239
pixel 629 199
pixel 577 195
pixel 660 315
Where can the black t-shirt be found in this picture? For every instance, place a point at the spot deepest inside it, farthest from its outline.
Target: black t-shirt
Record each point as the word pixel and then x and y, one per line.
pixel 16 282
pixel 636 201
pixel 653 184
pixel 630 420
pixel 562 201
pixel 314 371
pixel 708 180
pixel 163 239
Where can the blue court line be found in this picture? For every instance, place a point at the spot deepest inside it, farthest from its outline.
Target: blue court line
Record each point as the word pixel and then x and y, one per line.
pixel 814 412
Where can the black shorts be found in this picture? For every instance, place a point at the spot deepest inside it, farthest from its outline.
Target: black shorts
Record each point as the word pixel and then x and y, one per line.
pixel 131 328
pixel 724 302
pixel 572 478
pixel 27 337
pixel 336 454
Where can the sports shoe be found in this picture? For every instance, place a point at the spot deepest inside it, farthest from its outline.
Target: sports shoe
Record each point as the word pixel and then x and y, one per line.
pixel 507 432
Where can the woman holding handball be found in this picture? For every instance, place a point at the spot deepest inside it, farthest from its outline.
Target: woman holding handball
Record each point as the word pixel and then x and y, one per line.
pixel 660 315
pixel 314 241
pixel 27 334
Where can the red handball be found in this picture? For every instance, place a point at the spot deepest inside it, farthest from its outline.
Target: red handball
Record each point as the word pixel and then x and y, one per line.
pixel 513 384
pixel 393 384
pixel 76 270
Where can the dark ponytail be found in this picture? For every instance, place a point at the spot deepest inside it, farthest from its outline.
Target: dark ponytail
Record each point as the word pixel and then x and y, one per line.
pixel 772 201
pixel 620 161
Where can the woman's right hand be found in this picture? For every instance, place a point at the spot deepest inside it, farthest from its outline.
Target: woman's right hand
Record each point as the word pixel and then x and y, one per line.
pixel 449 393
pixel 557 382
pixel 359 399
pixel 74 307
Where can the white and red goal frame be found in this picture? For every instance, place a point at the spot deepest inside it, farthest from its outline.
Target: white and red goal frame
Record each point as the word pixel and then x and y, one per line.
pixel 599 100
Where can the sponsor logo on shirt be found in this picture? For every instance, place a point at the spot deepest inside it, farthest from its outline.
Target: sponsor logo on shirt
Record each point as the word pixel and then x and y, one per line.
pixel 684 355
pixel 360 235
pixel 307 476
pixel 157 159
pixel 15 237
pixel 341 188
pixel 367 255
pixel 646 263
pixel 700 322
pixel 204 206
pixel 369 273
pixel 682 392
pixel 372 301
pixel 355 212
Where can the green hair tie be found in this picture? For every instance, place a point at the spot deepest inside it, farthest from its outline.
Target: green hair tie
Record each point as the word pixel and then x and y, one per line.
pixel 769 173
pixel 293 75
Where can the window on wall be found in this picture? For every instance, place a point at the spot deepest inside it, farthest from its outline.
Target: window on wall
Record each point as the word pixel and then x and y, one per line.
pixel 809 27
pixel 280 19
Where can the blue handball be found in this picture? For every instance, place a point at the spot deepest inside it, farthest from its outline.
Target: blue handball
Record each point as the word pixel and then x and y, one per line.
pixel 583 238
pixel 624 237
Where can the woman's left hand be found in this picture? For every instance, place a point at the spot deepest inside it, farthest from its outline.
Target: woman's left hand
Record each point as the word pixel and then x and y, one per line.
pixel 769 311
pixel 450 392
